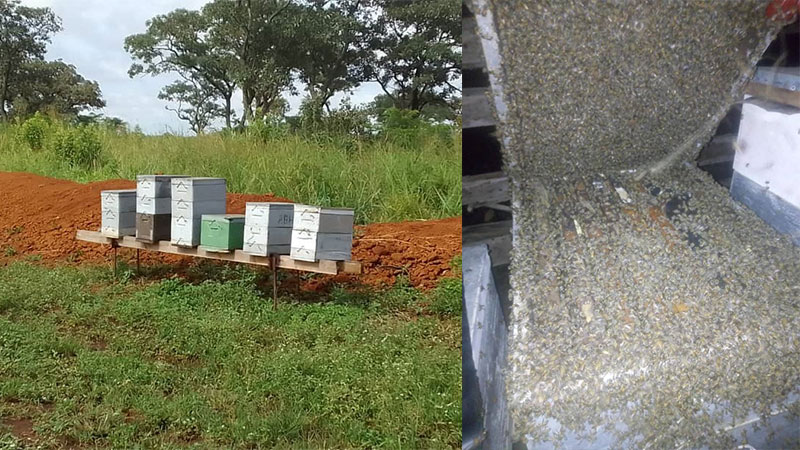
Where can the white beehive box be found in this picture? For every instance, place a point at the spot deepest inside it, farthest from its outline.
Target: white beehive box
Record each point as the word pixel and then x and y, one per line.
pixel 119 200
pixel 323 220
pixel 185 232
pixel 311 245
pixel 154 186
pixel 187 218
pixel 268 228
pixel 269 214
pixel 265 241
pixel 118 212
pixel 195 189
pixel 182 208
pixel 191 198
pixel 153 205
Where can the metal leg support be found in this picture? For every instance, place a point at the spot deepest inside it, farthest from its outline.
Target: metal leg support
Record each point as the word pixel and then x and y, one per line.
pixel 273 263
pixel 114 246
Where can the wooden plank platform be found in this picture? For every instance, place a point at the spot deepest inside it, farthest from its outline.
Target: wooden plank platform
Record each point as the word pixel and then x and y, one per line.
pixel 476 108
pixel 485 189
pixel 284 261
pixel 472 54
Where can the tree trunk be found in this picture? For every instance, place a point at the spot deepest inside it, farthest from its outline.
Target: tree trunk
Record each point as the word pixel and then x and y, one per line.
pixel 4 91
pixel 228 111
pixel 247 105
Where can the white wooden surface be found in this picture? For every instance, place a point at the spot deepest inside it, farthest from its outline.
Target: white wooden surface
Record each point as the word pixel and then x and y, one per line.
pixel 768 148
pixel 185 231
pixel 488 335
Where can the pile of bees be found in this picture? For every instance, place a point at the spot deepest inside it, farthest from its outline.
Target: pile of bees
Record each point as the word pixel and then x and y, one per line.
pixel 646 303
pixel 662 305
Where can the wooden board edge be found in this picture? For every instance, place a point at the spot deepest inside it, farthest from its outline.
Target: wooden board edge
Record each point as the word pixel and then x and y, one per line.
pixel 284 262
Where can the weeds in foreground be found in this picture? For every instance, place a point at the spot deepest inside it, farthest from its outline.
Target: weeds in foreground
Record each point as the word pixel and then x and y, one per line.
pixel 172 363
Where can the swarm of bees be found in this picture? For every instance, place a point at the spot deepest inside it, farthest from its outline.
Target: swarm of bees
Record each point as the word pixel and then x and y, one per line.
pixel 647 304
pixel 676 314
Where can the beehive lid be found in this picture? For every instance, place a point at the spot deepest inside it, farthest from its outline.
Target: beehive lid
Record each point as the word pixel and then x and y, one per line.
pixel 270 204
pixel 120 192
pixel 608 86
pixel 159 177
pixel 225 217
pixel 323 210
pixel 198 181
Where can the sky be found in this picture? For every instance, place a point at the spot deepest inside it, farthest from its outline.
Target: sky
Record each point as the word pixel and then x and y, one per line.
pixel 92 40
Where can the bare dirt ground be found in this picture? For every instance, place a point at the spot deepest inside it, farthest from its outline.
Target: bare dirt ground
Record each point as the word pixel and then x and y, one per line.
pixel 39 217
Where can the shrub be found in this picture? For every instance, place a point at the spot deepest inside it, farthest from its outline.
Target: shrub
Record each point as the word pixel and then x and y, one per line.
pixel 402 126
pixel 34 130
pixel 78 146
pixel 266 129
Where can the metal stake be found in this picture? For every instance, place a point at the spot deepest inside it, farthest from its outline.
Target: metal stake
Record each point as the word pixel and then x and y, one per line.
pixel 114 246
pixel 138 267
pixel 273 262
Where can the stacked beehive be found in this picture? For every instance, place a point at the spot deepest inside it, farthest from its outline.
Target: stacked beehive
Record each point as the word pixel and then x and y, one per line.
pixel 268 228
pixel 118 212
pixel 191 198
pixel 321 233
pixel 153 207
pixel 222 232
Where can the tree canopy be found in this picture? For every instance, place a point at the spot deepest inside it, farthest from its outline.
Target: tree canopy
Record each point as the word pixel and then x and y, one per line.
pixel 28 83
pixel 260 48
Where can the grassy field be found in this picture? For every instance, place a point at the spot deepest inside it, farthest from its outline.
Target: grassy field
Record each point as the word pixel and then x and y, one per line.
pixel 86 360
pixel 382 180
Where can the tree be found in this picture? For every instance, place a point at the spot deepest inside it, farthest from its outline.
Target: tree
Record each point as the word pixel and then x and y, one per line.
pixel 196 103
pixel 179 42
pixel 418 54
pixel 53 86
pixel 333 40
pixel 24 34
pixel 256 36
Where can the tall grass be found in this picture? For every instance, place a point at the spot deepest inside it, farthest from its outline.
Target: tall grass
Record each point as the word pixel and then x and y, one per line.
pixel 383 181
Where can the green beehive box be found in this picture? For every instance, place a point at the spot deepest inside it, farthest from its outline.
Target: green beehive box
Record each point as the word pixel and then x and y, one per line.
pixel 222 232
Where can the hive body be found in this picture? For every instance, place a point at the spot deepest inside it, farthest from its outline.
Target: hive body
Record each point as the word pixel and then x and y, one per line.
pixel 268 228
pixel 191 199
pixel 118 212
pixel 222 232
pixel 153 207
pixel 322 233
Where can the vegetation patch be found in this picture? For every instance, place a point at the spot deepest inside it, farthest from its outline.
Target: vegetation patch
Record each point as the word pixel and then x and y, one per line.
pixel 138 364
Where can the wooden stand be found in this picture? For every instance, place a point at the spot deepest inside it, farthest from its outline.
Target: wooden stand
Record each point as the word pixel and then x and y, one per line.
pixel 274 261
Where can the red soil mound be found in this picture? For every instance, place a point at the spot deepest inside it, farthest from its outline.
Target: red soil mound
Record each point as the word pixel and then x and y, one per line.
pixel 40 215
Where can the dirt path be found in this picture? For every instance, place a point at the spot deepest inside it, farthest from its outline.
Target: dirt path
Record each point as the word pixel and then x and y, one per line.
pixel 39 217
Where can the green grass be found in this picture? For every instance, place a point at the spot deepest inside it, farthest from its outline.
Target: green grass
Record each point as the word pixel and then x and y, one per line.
pixel 138 364
pixel 381 180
